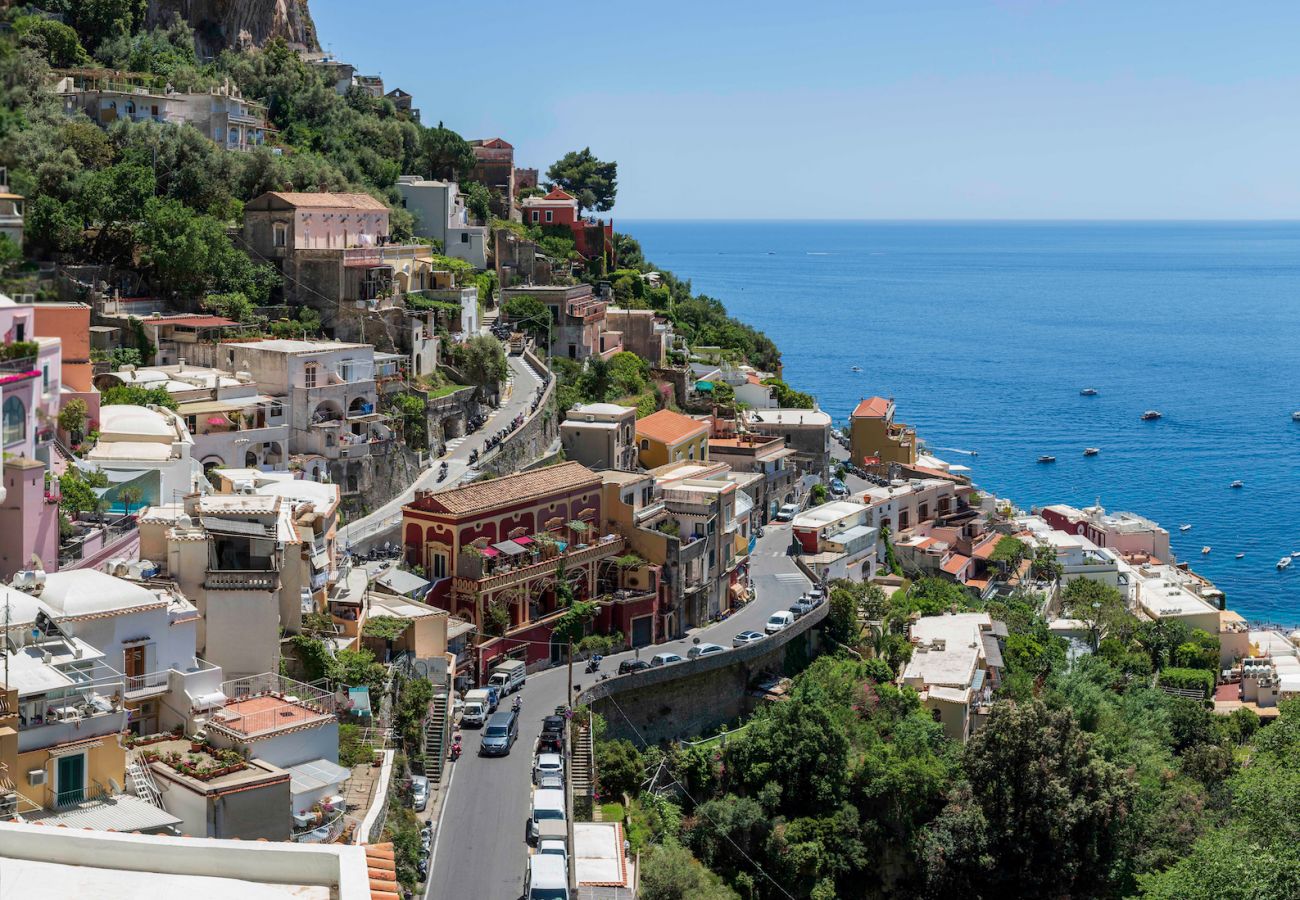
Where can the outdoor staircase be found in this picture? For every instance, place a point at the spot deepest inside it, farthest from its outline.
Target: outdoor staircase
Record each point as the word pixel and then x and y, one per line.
pixel 582 767
pixel 435 739
pixel 140 780
pixel 489 318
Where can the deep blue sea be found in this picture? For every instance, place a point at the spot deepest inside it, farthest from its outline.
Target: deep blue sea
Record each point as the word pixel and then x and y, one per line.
pixel 984 333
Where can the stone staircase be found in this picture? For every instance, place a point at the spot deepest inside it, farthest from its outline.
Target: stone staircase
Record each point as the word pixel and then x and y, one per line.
pixel 435 739
pixel 140 781
pixel 489 318
pixel 582 766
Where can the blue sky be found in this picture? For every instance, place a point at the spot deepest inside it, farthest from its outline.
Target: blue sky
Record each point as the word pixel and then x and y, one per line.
pixel 907 109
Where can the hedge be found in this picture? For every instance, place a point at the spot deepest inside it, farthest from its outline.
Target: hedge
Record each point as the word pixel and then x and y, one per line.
pixel 1188 679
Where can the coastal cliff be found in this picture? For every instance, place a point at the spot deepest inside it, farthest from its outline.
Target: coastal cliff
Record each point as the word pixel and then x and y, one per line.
pixel 226 24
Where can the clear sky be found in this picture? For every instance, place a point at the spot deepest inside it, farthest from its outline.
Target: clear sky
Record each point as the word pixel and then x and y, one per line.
pixel 907 109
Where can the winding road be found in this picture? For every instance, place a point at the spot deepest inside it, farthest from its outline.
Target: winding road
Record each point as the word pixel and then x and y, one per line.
pixel 480 850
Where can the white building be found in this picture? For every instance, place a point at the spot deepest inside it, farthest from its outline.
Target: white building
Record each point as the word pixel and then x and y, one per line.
pixel 440 213
pixel 150 447
pixel 837 540
pixel 955 667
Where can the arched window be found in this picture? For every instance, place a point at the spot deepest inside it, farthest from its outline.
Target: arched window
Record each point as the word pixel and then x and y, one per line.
pixel 15 421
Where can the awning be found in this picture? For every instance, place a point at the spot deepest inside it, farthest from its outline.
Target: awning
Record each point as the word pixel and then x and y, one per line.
pixel 315 775
pixel 523 541
pixel 490 551
pixel 509 548
pixel 705 386
pixel 579 526
pixel 122 812
pixel 201 407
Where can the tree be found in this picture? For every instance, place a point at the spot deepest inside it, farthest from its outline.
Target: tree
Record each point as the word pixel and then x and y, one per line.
pixel 99 20
pixel 481 360
pixel 619 767
pixel 818 495
pixel 593 182
pixel 73 418
pixel 130 496
pixel 478 200
pixel 234 306
pixel 670 872
pixel 1046 567
pixel 529 314
pixel 1009 552
pixel 55 41
pixel 572 626
pixel 135 395
pixel 1044 812
pixel 629 373
pixel 1096 604
pixel 446 155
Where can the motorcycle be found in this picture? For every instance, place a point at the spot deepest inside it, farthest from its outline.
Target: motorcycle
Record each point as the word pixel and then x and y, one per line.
pixel 456 749
pixel 593 664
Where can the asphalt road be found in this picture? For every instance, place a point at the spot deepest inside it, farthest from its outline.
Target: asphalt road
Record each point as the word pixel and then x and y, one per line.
pixel 480 848
pixel 374 528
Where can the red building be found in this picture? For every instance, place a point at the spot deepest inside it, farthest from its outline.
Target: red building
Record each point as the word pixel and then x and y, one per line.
pixel 591 237
pixel 494 550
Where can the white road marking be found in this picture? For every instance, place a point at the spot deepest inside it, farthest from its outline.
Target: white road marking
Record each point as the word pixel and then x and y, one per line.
pixel 437 829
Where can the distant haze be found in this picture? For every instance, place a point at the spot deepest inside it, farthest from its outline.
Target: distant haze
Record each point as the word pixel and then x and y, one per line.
pixel 958 109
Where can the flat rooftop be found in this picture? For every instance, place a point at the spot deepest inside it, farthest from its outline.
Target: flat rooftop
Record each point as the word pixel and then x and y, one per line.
pixel 269 712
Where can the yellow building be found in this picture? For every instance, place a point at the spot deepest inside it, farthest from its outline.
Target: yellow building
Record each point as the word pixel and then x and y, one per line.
pixel 666 436
pixel 874 436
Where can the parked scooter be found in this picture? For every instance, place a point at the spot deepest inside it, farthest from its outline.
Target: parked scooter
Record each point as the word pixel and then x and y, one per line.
pixel 456 748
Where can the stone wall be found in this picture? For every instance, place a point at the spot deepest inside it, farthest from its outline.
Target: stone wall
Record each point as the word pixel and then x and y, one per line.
pixel 697 696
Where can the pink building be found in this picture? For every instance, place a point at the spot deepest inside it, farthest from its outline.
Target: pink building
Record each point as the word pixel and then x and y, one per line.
pixel 1123 532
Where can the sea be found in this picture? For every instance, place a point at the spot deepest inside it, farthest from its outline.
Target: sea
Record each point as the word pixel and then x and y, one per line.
pixel 984 333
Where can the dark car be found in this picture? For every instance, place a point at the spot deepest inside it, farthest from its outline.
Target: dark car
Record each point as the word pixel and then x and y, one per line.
pixel 801 607
pixel 552 739
pixel 628 666
pixel 499 735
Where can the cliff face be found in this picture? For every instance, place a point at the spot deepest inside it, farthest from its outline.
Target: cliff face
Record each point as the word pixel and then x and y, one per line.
pixel 227 24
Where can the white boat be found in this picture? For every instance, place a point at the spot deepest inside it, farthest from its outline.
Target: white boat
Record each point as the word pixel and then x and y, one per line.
pixel 1240 555
pixel 1091 451
pixel 1295 416
pixel 1184 527
pixel 1237 484
pixel 856 368
pixel 1047 459
pixel 1206 549
pixel 1295 553
pixel 1284 562
pixel 1151 415
pixel 1088 392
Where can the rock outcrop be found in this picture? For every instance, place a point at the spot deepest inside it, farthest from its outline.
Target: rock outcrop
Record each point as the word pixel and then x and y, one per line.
pixel 231 24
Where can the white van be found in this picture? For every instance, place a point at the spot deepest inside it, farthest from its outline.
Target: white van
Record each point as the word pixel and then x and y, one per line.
pixel 778 621
pixel 478 706
pixel 548 877
pixel 549 818
pixel 509 676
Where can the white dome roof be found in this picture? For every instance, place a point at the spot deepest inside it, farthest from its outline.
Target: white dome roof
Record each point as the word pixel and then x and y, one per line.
pixel 84 592
pixel 136 420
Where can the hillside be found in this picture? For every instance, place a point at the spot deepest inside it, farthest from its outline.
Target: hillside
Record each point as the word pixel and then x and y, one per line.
pixel 218 24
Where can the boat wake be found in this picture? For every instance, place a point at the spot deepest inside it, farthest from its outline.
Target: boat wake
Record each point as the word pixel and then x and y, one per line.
pixel 958 450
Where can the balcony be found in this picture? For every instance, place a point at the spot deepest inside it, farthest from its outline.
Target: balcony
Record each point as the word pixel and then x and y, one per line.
pixel 606 547
pixel 242 580
pixel 263 704
pixel 586 310
pixel 87 705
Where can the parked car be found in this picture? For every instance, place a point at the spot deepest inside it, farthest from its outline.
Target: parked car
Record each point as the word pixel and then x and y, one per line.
pixel 839 488
pixel 746 637
pixel 419 792
pixel 549 818
pixel 778 621
pixel 547 764
pixel 551 782
pixel 552 739
pixel 801 607
pixel 554 847
pixel 704 650
pixel 664 659
pixel 787 512
pixel 547 878
pixel 500 733
pixel 628 666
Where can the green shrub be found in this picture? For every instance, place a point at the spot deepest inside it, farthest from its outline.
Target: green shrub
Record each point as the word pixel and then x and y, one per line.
pixel 1199 680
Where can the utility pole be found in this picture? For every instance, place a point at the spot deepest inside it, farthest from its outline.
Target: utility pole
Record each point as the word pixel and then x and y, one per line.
pixel 568 698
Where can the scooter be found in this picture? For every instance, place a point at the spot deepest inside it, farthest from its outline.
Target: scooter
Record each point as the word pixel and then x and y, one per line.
pixel 456 749
pixel 593 664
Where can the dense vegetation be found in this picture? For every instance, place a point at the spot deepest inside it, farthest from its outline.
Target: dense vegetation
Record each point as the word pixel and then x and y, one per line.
pixel 1087 779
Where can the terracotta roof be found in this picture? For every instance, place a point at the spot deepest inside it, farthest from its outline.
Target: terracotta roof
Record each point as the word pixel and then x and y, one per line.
pixel 669 427
pixel 558 193
pixel 482 496
pixel 872 408
pixel 196 321
pixel 328 200
pixel 753 379
pixel 985 550
pixel 381 866
pixel 955 563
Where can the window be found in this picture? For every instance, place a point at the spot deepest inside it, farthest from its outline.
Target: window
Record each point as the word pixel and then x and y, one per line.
pixel 439 565
pixel 45 378
pixel 550 216
pixel 309 375
pixel 279 234
pixel 645 444
pixel 15 421
pixel 464 237
pixel 536 216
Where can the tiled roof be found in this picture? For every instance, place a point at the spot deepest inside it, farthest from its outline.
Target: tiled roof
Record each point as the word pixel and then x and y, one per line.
pixel 669 427
pixel 195 321
pixel 559 194
pixel 487 495
pixel 328 200
pixel 955 563
pixel 872 408
pixel 381 866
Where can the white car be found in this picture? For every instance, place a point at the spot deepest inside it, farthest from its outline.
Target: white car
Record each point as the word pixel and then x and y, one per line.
pixel 547 764
pixel 746 637
pixel 419 792
pixel 704 649
pixel 664 659
pixel 787 512
pixel 778 621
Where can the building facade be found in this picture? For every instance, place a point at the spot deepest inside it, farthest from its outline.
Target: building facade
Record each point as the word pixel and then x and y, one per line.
pixel 600 436
pixel 875 438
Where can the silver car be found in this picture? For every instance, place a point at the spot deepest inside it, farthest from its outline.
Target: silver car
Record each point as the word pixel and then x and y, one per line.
pixel 419 792
pixel 746 637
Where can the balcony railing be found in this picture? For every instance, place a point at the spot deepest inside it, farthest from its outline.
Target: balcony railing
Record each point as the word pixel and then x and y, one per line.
pixel 525 572
pixel 241 580
pixel 149 683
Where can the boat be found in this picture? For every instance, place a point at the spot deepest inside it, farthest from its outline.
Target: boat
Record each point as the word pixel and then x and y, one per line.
pixel 1295 416
pixel 1184 527
pixel 1047 459
pixel 1240 555
pixel 1237 484
pixel 1090 451
pixel 856 368
pixel 1295 553
pixel 1284 562
pixel 1205 550
pixel 1151 415
pixel 1088 392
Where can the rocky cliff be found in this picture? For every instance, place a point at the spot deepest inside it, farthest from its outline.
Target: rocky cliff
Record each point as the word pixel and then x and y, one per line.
pixel 223 24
